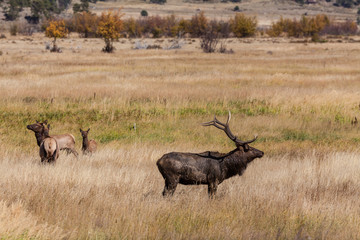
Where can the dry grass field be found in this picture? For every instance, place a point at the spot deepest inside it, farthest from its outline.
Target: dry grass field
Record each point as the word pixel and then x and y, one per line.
pixel 299 98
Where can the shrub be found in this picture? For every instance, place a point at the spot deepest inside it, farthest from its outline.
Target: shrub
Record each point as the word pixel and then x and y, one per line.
pixel 198 24
pixel 109 28
pixel 243 26
pixel 14 29
pixel 345 28
pixel 236 9
pixel 85 24
pixel 307 27
pixel 56 29
pixel 183 27
pixel 171 26
pixel 224 29
pixel 144 13
pixel 210 38
pixel 132 28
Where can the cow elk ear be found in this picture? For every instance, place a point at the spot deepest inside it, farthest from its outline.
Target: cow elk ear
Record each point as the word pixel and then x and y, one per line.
pixel 88 130
pixel 48 126
pixel 80 130
pixel 45 121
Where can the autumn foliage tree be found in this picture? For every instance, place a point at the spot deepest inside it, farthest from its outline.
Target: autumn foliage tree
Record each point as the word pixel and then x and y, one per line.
pixel 109 27
pixel 56 29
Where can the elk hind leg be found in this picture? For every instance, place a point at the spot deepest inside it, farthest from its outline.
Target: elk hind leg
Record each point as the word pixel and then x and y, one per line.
pixel 71 150
pixel 212 188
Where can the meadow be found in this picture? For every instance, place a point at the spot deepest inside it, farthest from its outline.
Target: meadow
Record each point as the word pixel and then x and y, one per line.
pixel 299 98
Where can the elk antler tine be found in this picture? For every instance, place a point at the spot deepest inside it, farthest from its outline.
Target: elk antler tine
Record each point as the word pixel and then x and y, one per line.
pixel 208 123
pixel 228 119
pixel 250 141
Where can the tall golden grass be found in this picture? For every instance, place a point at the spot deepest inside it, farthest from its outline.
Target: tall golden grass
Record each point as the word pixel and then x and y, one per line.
pixel 299 98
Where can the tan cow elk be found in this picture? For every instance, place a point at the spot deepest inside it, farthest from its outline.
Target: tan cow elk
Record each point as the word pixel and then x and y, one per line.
pixel 88 146
pixel 49 148
pixel 65 141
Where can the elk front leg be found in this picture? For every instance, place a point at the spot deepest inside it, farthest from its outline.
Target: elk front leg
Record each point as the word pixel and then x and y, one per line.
pixel 170 187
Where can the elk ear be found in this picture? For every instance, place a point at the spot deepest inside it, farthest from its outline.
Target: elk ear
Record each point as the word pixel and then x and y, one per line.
pixel 80 130
pixel 48 126
pixel 45 121
pixel 88 130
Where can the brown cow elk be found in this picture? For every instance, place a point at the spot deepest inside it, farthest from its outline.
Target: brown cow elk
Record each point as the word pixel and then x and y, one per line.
pixel 49 148
pixel 65 141
pixel 88 146
pixel 210 168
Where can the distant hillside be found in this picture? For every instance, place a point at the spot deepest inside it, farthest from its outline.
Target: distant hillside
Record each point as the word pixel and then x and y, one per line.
pixel 266 11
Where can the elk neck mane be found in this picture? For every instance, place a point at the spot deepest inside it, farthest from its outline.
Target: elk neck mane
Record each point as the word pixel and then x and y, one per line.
pixel 85 143
pixel 234 163
pixel 39 138
pixel 216 155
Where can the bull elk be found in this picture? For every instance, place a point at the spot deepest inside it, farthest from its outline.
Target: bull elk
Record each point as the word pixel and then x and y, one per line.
pixel 65 141
pixel 49 148
pixel 210 168
pixel 87 146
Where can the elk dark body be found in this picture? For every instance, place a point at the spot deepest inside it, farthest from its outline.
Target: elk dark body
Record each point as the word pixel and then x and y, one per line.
pixel 210 168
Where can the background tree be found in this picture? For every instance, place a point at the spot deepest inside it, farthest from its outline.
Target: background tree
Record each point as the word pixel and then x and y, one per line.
pixel 56 29
pixel 109 28
pixel 85 24
pixel 83 6
pixel 12 8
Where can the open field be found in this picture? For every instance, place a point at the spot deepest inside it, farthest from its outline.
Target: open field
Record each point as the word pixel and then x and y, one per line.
pixel 299 98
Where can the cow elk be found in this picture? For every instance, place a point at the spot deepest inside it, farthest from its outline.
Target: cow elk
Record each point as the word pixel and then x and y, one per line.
pixel 88 146
pixel 65 141
pixel 210 168
pixel 49 148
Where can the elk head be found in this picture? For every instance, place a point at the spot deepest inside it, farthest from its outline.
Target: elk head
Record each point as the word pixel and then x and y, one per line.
pixel 84 134
pixel 37 127
pixel 243 146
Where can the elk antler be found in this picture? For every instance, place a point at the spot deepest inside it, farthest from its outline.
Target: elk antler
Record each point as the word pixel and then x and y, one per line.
pixel 225 127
